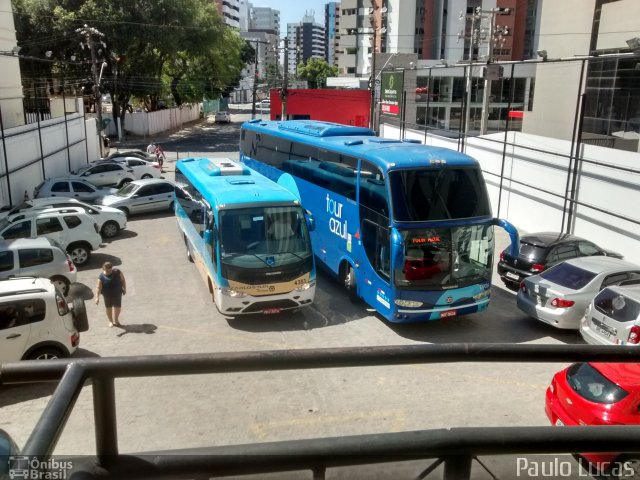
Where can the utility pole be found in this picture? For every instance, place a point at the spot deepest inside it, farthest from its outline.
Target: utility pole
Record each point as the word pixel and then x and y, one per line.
pixel 473 40
pixel 499 37
pixel 285 81
pixel 89 33
pixel 255 77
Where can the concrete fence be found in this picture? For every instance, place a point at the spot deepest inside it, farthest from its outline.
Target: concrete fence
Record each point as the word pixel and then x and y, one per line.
pixel 145 124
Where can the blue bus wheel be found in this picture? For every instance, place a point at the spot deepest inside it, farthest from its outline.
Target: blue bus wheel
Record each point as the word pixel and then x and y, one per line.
pixel 349 279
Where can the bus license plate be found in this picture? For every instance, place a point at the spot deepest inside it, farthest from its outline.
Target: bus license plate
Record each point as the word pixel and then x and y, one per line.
pixel 448 313
pixel 271 311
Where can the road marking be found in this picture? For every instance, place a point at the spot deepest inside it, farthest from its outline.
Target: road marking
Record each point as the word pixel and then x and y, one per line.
pixel 263 429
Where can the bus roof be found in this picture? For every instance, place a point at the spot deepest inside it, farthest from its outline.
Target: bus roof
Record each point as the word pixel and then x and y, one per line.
pixel 222 181
pixel 361 142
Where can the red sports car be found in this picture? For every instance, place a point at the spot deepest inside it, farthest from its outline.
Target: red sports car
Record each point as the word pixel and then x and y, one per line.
pixel 597 394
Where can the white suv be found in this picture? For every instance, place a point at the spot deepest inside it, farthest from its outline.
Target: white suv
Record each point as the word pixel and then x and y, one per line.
pixel 72 228
pixel 110 220
pixel 37 257
pixel 36 321
pixel 73 187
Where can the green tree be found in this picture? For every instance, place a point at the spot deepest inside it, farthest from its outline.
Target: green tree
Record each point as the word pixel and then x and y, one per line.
pixel 153 49
pixel 316 71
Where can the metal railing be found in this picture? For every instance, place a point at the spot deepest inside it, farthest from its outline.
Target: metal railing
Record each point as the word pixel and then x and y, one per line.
pixel 454 448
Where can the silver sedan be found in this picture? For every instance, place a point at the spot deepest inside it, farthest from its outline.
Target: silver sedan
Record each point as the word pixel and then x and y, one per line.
pixel 559 296
pixel 143 196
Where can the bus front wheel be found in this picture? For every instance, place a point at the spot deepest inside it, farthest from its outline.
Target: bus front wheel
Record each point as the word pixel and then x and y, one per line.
pixel 349 279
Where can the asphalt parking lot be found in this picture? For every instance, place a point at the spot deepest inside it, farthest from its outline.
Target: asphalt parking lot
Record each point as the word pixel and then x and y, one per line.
pixel 168 310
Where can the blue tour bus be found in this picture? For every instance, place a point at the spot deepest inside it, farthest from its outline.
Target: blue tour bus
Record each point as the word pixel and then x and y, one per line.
pixel 248 236
pixel 406 227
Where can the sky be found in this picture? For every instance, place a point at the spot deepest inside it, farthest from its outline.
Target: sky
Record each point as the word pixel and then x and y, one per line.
pixel 292 11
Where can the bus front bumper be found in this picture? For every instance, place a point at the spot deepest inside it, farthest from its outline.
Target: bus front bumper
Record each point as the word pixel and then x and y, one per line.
pixel 268 304
pixel 413 315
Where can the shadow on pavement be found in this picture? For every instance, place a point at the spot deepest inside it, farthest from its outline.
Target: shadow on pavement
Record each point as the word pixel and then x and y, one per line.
pixel 147 328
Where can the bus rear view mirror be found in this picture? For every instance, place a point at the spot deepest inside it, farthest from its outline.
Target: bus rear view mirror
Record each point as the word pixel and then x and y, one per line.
pixel 311 222
pixel 208 236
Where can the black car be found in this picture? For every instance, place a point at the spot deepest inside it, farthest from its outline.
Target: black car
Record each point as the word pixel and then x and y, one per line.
pixel 539 251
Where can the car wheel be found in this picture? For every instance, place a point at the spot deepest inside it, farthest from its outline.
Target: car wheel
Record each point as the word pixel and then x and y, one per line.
pixel 46 353
pixel 62 284
pixel 110 229
pixel 124 182
pixel 147 175
pixel 79 313
pixel 79 253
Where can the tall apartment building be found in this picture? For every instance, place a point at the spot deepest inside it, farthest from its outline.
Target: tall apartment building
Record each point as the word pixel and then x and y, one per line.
pixel 306 40
pixel 264 19
pixel 243 15
pixel 230 12
pixel 356 37
pixel 332 29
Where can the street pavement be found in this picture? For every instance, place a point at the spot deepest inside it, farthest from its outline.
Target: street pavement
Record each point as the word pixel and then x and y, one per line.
pixel 168 310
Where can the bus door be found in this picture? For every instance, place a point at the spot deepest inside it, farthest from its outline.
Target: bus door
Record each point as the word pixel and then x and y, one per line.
pixel 374 274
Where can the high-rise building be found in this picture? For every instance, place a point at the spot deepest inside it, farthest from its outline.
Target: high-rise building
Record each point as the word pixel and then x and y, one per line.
pixel 230 12
pixel 332 28
pixel 264 19
pixel 305 40
pixel 243 15
pixel 356 39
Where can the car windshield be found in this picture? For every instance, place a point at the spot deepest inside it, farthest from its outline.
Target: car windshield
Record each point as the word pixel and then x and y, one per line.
pixel 438 194
pixel 590 384
pixel 568 276
pixel 128 190
pixel 263 237
pixel 444 258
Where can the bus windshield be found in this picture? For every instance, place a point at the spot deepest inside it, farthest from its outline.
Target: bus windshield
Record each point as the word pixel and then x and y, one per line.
pixel 441 193
pixel 264 237
pixel 441 258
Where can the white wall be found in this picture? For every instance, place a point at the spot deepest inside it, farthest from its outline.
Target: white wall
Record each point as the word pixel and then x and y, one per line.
pixel 55 150
pixel 10 81
pixel 150 123
pixel 530 210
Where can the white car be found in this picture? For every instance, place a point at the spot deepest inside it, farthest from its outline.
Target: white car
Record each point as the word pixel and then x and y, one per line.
pixel 71 187
pixel 265 105
pixel 141 168
pixel 106 173
pixel 143 196
pixel 37 257
pixel 36 321
pixel 72 228
pixel 222 117
pixel 613 317
pixel 110 220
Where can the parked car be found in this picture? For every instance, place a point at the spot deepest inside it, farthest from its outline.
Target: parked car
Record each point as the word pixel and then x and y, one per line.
pixel 265 104
pixel 110 220
pixel 613 317
pixel 141 168
pixel 142 196
pixel 560 295
pixel 598 394
pixel 222 117
pixel 72 228
pixel 539 251
pixel 37 257
pixel 137 153
pixel 106 174
pixel 71 187
pixel 36 321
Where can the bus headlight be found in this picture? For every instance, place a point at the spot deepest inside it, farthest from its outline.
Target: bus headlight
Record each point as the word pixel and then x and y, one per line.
pixel 232 293
pixel 407 303
pixel 306 286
